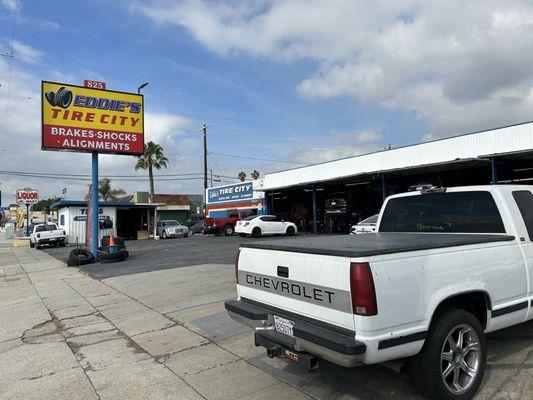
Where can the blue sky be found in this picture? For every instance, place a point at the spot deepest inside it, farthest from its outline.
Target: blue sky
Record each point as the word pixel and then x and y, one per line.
pixel 291 80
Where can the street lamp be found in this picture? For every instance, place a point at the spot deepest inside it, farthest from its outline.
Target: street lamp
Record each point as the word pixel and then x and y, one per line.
pixel 141 87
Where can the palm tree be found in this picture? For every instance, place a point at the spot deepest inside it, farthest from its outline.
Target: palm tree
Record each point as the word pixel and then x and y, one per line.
pixel 105 193
pixel 153 157
pixel 242 176
pixel 255 174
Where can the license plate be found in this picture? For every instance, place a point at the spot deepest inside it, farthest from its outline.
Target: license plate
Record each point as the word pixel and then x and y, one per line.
pixel 292 356
pixel 283 325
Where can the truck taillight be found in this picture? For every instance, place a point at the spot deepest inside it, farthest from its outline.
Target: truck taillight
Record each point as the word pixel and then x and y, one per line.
pixel 237 265
pixel 362 290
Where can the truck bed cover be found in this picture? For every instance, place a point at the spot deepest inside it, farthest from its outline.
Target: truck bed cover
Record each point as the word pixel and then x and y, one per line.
pixel 373 244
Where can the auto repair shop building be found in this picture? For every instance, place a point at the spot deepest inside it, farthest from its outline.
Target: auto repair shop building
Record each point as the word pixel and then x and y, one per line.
pixel 308 195
pixel 248 196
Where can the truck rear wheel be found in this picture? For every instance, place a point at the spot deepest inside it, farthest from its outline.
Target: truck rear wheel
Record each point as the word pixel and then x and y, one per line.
pixel 229 230
pixel 452 362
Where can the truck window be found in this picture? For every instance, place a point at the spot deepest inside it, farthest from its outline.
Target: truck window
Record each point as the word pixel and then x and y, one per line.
pixel 47 227
pixel 459 212
pixel 524 201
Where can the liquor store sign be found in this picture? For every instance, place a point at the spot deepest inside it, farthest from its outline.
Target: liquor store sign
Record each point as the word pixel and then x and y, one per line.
pixel 77 118
pixel 27 196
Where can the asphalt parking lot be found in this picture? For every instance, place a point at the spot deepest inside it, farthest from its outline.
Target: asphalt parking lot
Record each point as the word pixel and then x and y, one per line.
pixel 153 255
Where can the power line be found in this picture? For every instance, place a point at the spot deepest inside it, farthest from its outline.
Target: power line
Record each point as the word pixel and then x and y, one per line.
pixel 219 169
pixel 78 176
pixel 88 178
pixel 258 158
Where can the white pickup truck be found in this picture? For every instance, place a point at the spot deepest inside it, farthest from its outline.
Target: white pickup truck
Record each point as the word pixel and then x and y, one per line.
pixel 445 267
pixel 47 234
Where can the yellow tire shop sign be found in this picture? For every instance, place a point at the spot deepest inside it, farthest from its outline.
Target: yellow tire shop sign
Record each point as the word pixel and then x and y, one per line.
pixel 77 118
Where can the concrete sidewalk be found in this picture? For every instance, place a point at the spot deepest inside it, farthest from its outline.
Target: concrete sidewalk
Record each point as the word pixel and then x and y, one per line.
pixel 64 335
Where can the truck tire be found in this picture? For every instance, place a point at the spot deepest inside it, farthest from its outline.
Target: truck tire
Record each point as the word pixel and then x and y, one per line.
pixel 31 244
pixel 79 257
pixel 229 230
pixel 256 232
pixel 452 362
pixel 106 258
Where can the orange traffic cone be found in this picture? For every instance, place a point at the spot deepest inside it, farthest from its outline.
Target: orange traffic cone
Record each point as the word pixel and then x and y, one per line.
pixel 112 241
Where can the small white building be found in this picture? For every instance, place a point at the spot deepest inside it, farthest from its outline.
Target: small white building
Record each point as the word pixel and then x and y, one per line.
pixel 126 219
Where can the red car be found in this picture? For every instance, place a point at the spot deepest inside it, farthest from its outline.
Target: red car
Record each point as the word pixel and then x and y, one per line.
pixel 225 225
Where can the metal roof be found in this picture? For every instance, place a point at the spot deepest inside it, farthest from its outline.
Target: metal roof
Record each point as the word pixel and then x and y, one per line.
pixel 473 146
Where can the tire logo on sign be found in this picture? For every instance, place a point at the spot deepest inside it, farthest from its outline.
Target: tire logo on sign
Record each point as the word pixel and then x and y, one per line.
pixel 63 97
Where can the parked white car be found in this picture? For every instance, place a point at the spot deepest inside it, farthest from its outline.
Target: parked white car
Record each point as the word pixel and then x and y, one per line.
pixel 368 225
pixel 445 267
pixel 171 228
pixel 47 234
pixel 259 225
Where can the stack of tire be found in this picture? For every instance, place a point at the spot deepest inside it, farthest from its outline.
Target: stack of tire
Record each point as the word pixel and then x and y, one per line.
pixel 79 257
pixel 113 250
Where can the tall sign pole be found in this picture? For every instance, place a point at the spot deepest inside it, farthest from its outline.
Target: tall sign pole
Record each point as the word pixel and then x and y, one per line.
pixel 27 219
pixel 94 206
pixel 204 131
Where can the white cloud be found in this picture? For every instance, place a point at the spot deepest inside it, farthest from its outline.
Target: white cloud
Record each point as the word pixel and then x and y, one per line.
pixel 164 128
pixel 340 145
pixel 92 75
pixel 10 4
pixel 26 53
pixel 460 66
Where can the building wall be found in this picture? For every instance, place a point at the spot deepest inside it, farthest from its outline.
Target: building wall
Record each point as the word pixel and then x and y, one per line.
pixel 76 228
pixel 181 216
pixel 196 203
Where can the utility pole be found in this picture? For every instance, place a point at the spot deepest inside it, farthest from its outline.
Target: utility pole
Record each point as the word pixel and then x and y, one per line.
pixel 211 177
pixel 204 132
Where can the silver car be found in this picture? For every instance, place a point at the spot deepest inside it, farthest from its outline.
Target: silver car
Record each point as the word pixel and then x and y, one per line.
pixel 170 228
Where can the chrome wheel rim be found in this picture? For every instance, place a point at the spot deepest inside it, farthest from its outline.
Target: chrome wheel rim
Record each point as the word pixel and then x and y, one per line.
pixel 460 359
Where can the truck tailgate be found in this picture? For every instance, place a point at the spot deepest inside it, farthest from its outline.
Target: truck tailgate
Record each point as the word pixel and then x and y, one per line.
pixel 310 285
pixel 50 234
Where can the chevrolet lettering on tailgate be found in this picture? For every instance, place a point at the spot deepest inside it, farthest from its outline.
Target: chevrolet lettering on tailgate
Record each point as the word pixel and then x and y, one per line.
pixel 325 296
